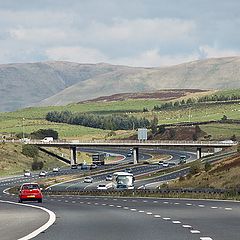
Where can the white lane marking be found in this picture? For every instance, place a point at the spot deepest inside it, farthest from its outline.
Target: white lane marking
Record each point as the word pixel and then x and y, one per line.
pixel 195 231
pixel 228 209
pixel 157 216
pixel 166 218
pixel 176 222
pixel 149 213
pixel 51 220
pixel 186 226
pixel 205 238
pixel 5 191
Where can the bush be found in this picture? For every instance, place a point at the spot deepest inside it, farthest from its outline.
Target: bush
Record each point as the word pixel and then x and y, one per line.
pixel 37 165
pixel 195 168
pixel 30 151
pixel 207 166
pixel 42 133
pixel 182 178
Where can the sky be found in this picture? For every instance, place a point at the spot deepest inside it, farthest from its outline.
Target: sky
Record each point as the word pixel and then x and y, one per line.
pixel 143 33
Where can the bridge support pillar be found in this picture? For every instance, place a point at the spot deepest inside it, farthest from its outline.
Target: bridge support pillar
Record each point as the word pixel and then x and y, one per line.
pixel 199 152
pixel 73 155
pixel 135 156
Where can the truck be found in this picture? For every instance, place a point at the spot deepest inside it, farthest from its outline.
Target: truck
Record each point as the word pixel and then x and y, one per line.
pixel 47 140
pixel 98 158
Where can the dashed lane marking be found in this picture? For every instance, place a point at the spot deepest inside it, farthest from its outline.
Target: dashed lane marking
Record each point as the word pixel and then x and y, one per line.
pixel 186 226
pixel 176 222
pixel 195 231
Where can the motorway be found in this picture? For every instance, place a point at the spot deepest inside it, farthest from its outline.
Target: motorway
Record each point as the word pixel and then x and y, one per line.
pixel 105 218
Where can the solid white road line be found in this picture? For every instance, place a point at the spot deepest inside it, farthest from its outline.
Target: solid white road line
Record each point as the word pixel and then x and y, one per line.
pixel 51 220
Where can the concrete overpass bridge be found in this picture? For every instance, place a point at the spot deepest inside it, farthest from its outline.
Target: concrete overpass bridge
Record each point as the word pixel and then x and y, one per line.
pixel 74 144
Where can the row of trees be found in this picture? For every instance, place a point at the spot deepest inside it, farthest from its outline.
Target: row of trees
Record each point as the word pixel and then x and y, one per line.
pixel 170 105
pixel 109 122
pixel 192 101
pixel 216 98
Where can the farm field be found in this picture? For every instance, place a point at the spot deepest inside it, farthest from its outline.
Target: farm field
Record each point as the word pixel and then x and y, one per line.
pixel 32 119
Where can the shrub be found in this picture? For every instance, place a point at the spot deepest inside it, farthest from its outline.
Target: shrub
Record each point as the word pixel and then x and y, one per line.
pixel 195 168
pixel 30 151
pixel 37 165
pixel 207 166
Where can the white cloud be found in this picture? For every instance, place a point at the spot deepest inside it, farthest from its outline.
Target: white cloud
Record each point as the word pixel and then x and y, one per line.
pixel 141 30
pixel 76 54
pixel 153 58
pixel 41 36
pixel 213 52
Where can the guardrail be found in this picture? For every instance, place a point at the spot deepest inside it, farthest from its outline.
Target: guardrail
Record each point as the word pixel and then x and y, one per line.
pixel 147 192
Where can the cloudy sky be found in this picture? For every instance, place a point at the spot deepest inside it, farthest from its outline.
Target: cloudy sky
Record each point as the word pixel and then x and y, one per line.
pixel 129 32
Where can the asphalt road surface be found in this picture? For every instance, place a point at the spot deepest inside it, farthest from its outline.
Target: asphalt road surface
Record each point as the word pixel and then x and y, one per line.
pixel 105 218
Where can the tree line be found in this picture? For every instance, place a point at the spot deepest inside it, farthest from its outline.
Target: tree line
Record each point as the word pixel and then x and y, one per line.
pixel 193 101
pixel 107 122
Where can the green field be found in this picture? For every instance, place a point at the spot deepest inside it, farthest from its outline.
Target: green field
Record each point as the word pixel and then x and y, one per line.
pixel 34 118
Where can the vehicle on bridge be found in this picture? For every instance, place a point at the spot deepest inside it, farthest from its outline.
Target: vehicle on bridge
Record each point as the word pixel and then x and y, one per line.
pixel 30 192
pixel 47 140
pixel 123 180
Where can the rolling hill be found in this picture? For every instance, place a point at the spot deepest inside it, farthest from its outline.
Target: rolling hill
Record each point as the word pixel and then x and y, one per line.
pixel 60 83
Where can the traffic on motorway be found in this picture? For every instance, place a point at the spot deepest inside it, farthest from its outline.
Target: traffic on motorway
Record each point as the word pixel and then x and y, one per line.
pixel 158 217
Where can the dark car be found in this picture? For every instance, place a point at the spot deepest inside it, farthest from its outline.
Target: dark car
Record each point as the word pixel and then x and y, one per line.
pixel 74 166
pixel 30 192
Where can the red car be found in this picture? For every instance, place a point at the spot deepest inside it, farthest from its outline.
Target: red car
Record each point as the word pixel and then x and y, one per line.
pixel 30 192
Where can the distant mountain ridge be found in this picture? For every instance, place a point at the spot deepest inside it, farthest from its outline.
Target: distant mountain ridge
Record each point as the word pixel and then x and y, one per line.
pixel 60 83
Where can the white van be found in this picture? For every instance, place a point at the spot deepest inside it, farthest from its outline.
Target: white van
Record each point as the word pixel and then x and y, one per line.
pixel 47 139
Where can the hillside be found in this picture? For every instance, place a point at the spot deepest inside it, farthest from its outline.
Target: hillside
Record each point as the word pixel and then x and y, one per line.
pixel 224 174
pixel 12 160
pixel 60 83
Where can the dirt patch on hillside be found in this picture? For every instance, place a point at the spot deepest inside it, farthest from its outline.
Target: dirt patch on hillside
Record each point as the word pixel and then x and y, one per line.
pixel 187 133
pixel 160 95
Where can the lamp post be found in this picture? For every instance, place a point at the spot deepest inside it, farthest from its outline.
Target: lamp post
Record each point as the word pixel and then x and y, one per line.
pixel 23 128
